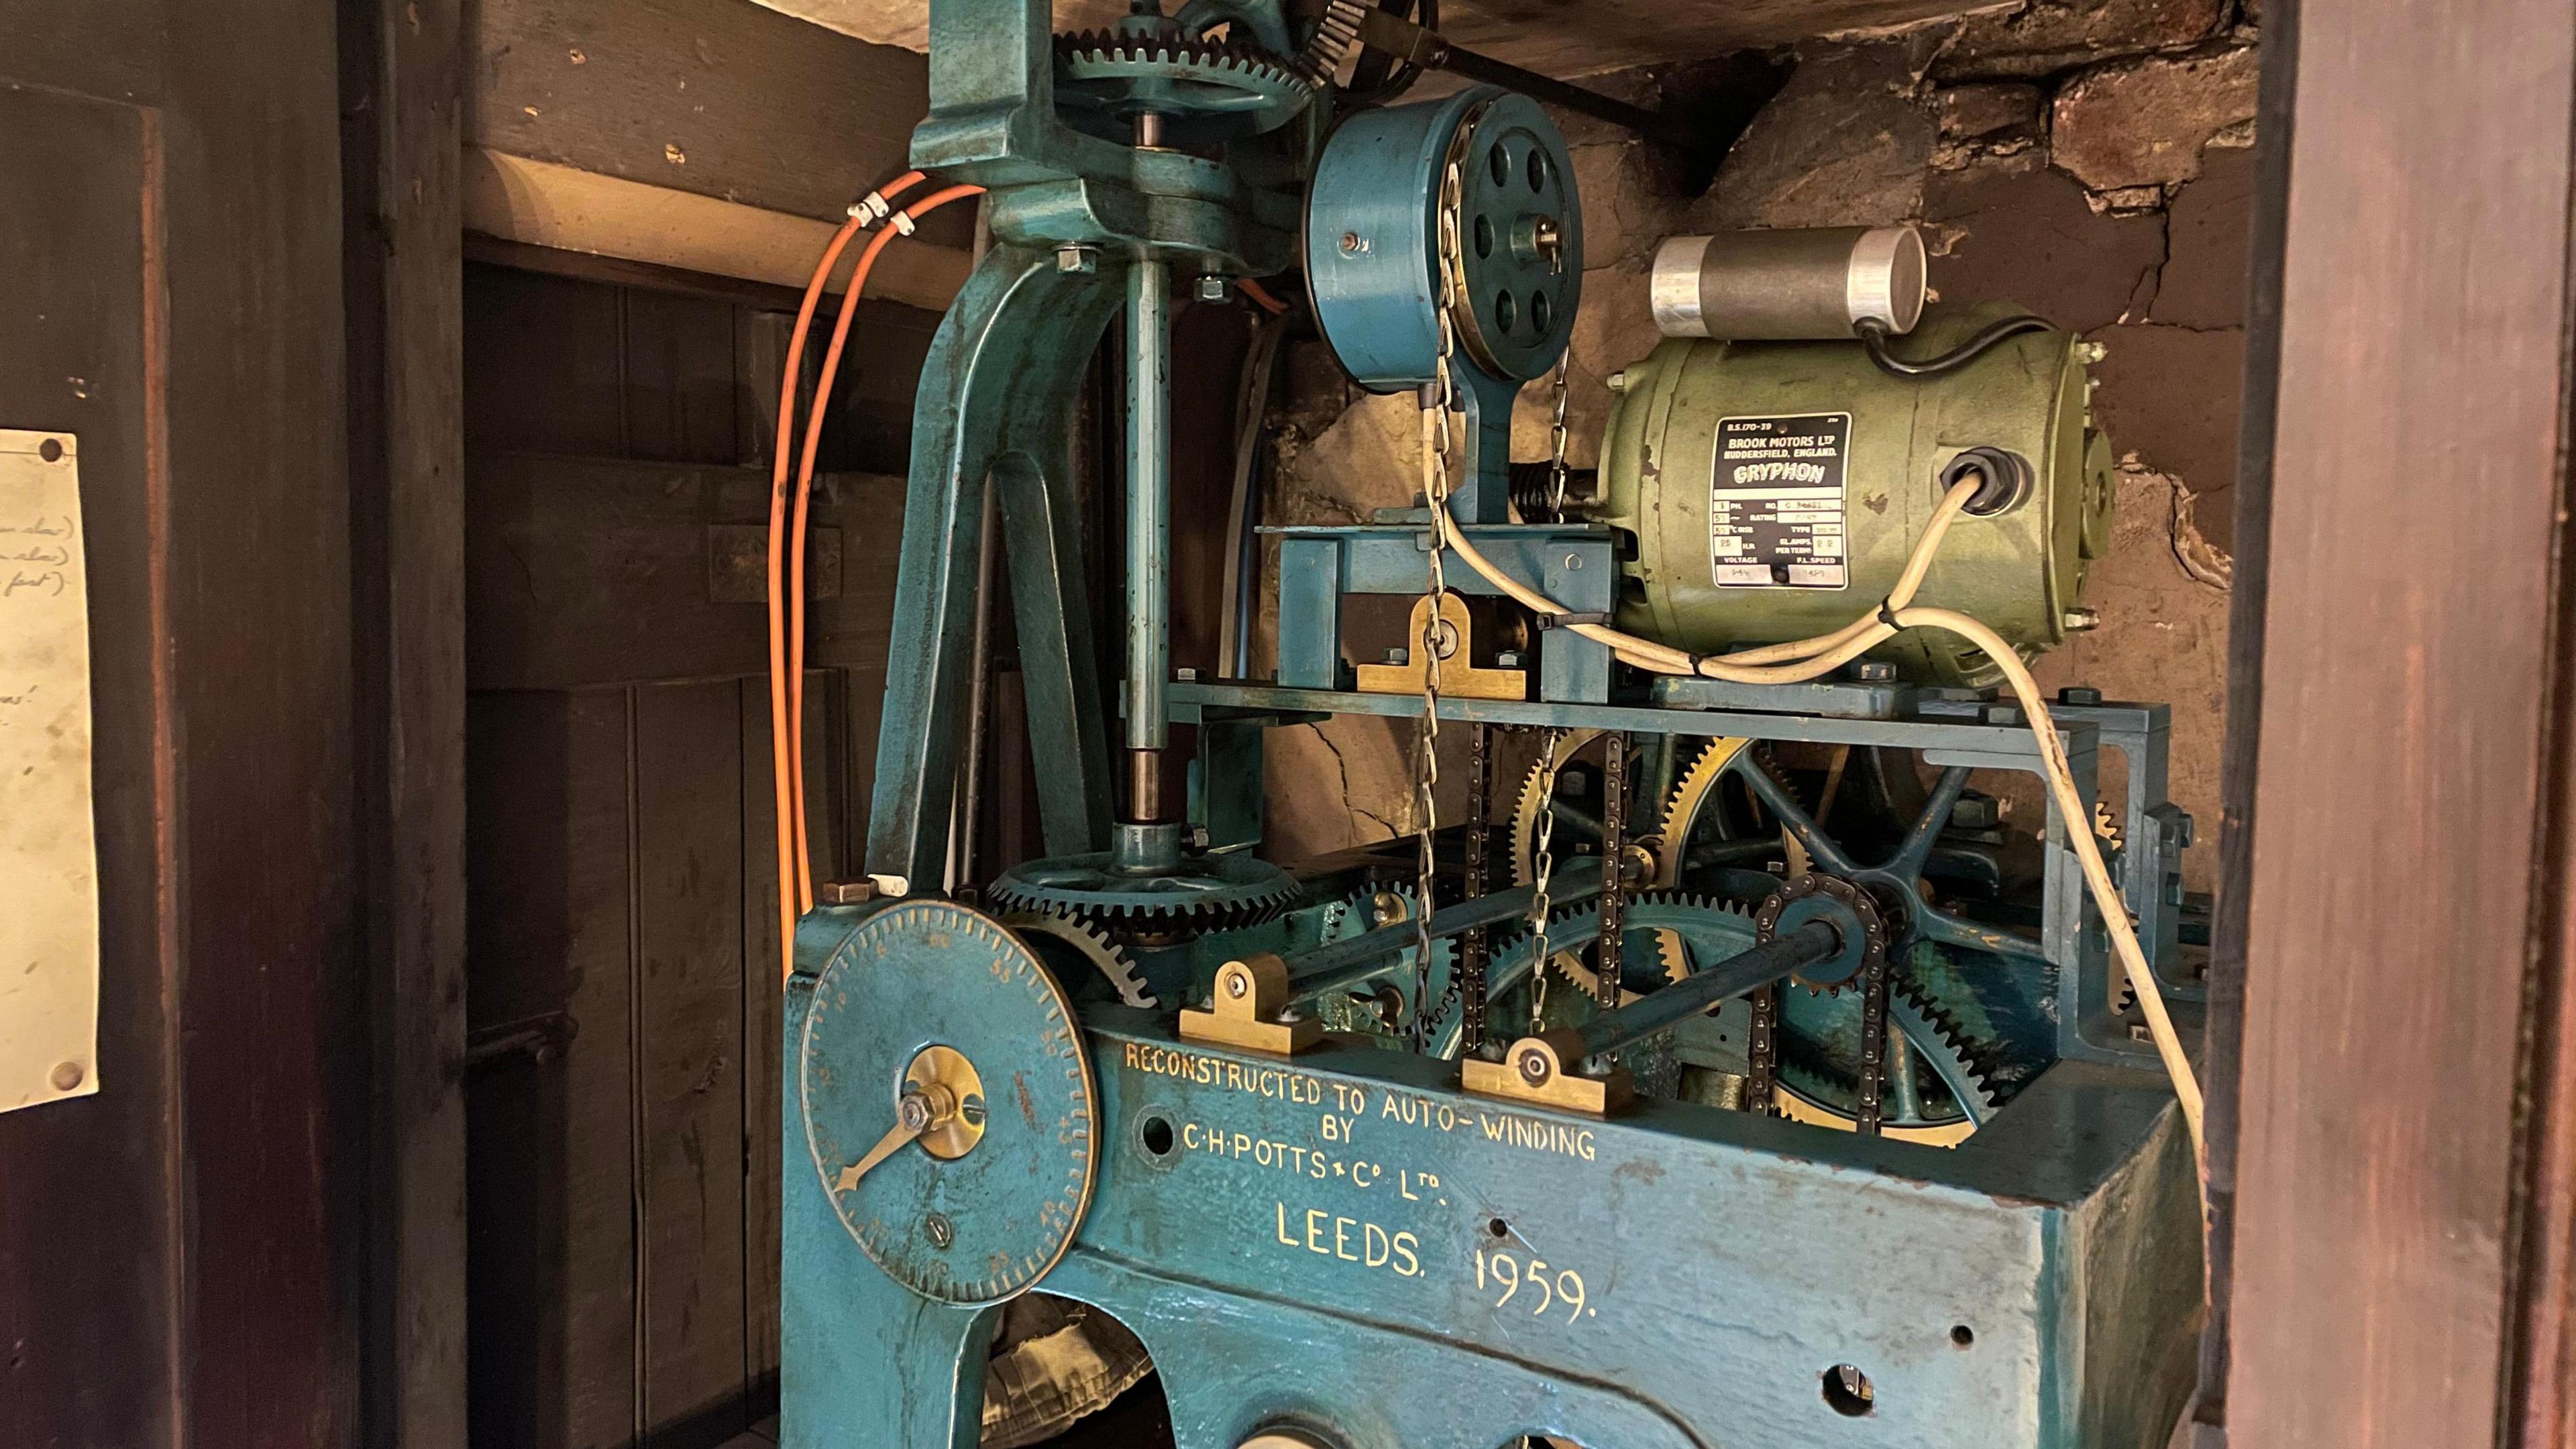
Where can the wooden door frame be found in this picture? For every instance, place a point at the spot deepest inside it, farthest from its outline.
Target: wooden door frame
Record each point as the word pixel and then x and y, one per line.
pixel 401 76
pixel 2403 1110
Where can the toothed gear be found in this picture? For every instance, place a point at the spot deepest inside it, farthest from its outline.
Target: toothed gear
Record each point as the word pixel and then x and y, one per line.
pixel 1122 73
pixel 1708 929
pixel 1696 929
pixel 1533 798
pixel 1354 915
pixel 1819 1075
pixel 1204 893
pixel 1089 943
pixel 1680 817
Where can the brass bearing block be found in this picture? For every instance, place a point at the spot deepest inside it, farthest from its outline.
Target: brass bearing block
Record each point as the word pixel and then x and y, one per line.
pixel 1249 1009
pixel 1536 1071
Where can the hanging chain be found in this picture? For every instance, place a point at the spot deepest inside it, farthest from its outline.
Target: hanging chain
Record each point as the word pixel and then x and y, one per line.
pixel 1543 861
pixel 1556 439
pixel 1438 397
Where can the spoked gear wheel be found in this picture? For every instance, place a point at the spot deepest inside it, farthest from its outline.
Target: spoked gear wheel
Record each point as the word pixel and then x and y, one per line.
pixel 1700 928
pixel 1951 1091
pixel 1213 90
pixel 1366 1011
pixel 1052 932
pixel 1819 1035
pixel 1200 894
pixel 1698 824
pixel 1693 825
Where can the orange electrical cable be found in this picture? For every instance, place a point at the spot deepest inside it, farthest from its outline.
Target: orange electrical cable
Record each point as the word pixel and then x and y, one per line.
pixel 795 840
pixel 1262 297
pixel 787 775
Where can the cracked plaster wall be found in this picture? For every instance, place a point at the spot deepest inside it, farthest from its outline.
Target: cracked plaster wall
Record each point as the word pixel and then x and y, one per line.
pixel 2088 159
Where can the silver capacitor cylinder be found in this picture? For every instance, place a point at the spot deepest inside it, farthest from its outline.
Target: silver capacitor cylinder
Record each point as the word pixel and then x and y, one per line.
pixel 1810 284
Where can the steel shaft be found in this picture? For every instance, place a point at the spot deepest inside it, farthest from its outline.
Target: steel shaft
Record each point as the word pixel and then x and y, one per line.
pixel 1737 974
pixel 1149 521
pixel 1340 963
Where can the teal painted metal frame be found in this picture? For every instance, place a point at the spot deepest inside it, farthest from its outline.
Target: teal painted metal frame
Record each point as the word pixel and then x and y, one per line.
pixel 1315 1242
pixel 1728 1261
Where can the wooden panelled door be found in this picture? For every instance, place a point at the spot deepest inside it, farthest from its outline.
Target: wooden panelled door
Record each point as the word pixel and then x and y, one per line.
pixel 623 1089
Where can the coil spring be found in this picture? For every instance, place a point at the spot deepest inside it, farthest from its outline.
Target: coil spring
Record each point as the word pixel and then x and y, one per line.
pixel 1530 490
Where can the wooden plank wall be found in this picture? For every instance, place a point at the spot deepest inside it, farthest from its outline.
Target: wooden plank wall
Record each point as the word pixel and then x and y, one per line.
pixel 624 1275
pixel 2413 694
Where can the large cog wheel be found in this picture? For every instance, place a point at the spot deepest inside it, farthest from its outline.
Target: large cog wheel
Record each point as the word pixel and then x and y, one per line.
pixel 1690 929
pixel 1088 943
pixel 1826 1098
pixel 1221 87
pixel 1202 893
pixel 1694 796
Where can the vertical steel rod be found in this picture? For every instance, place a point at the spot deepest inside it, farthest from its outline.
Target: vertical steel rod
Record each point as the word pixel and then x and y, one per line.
pixel 1149 518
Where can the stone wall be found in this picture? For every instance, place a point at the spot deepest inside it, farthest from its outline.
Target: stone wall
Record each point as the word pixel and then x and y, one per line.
pixel 2087 159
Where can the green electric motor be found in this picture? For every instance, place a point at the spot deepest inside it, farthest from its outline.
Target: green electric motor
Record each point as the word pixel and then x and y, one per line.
pixel 1775 489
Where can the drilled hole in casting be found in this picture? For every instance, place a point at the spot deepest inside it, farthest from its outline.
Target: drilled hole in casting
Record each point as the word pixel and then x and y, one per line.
pixel 1154 1134
pixel 1848 1391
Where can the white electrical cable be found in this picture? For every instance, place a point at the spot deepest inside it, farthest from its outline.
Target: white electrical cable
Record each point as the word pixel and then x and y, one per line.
pixel 1806 659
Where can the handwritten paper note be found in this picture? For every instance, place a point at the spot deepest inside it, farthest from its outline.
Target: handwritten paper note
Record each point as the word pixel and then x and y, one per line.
pixel 48 840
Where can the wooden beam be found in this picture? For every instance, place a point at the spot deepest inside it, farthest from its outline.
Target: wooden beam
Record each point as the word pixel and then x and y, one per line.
pixel 1549 36
pixel 549 204
pixel 401 72
pixel 716 97
pixel 2404 813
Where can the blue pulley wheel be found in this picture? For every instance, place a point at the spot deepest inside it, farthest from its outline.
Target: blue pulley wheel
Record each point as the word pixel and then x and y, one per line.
pixel 1373 239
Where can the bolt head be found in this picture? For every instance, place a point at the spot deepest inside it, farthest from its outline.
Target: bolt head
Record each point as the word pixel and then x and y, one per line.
pixel 68 1075
pixel 1874 671
pixel 1236 986
pixel 1617 381
pixel 2089 353
pixel 1351 242
pixel 1083 260
pixel 913 1111
pixel 939 1230
pixel 1214 288
pixel 1186 676
pixel 2079 620
pixel 1508 659
pixel 845 892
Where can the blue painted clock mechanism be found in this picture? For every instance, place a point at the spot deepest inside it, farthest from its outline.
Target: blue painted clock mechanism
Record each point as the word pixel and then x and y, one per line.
pixel 1739 1081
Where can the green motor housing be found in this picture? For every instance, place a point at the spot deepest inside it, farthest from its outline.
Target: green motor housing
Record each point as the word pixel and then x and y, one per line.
pixel 1774 490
